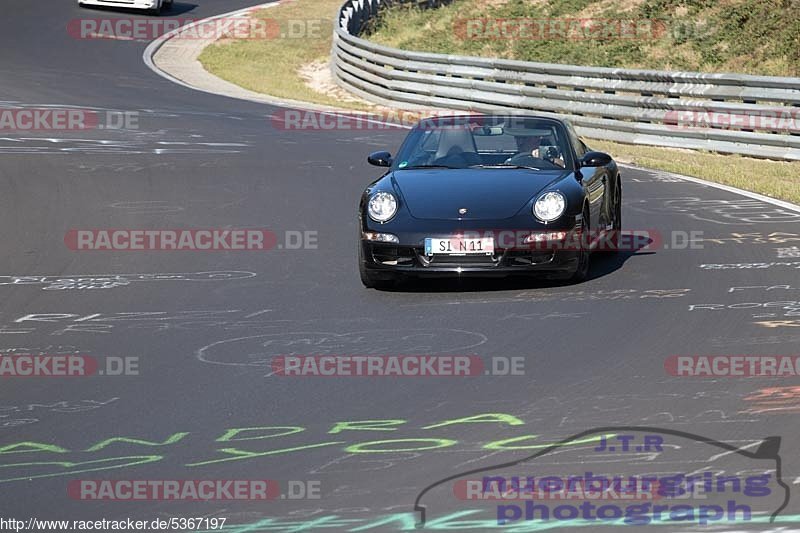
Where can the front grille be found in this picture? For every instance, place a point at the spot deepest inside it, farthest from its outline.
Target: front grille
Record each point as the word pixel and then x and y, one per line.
pixel 393 255
pixel 501 258
pixel 410 256
pixel 466 260
pixel 527 257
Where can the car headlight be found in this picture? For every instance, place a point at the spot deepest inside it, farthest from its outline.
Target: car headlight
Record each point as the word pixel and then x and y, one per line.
pixel 382 206
pixel 549 206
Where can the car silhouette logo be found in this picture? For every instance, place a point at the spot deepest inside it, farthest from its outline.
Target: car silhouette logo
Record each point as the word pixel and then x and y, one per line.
pixel 768 449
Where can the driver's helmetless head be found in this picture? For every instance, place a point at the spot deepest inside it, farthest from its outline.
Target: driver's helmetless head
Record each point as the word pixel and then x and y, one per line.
pixel 528 144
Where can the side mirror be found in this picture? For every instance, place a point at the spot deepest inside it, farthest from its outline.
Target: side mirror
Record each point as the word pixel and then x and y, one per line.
pixel 595 159
pixel 380 159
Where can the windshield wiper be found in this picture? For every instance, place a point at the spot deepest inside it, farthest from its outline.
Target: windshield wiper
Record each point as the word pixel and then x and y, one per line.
pixel 504 166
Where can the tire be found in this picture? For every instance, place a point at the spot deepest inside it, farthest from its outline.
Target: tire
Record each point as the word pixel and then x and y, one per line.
pixel 156 11
pixel 582 271
pixel 617 221
pixel 368 280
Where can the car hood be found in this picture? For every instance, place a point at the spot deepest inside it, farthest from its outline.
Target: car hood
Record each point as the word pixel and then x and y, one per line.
pixel 485 193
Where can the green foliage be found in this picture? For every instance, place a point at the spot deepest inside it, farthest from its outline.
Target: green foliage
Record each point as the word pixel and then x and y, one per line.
pixel 751 36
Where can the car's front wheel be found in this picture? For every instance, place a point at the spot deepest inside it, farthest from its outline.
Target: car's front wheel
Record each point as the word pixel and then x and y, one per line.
pixel 582 271
pixel 616 222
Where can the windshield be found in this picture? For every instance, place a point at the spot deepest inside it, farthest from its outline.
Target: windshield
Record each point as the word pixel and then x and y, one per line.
pixel 483 142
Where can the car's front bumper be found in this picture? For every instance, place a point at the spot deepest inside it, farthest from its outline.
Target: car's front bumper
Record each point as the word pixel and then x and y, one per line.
pixel 409 258
pixel 511 255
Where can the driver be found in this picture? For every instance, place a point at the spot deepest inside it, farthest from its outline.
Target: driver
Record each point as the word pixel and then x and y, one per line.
pixel 534 144
pixel 527 146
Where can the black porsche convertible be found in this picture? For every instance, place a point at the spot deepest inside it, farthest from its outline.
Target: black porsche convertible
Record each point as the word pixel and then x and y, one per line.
pixel 488 195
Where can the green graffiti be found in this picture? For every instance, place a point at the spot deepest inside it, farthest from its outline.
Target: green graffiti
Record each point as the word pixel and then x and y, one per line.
pixel 438 443
pixel 70 466
pixel 407 522
pixel 102 444
pixel 228 435
pixel 367 425
pixel 257 433
pixel 32 447
pixel 243 454
pixel 499 418
pixel 502 444
pixel 403 521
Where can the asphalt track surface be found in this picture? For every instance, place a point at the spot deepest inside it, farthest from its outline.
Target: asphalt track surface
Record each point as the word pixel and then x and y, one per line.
pixel 593 353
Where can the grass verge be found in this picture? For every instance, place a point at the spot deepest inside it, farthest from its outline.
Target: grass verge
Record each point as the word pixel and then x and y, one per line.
pixel 272 66
pixel 776 179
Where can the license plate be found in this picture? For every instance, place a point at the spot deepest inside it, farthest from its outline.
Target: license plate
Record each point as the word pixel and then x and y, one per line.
pixel 456 246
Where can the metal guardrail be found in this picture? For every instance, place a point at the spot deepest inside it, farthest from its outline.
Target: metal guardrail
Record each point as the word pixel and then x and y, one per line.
pixel 630 106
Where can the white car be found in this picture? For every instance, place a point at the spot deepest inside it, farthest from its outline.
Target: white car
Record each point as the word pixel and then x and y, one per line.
pixel 152 6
